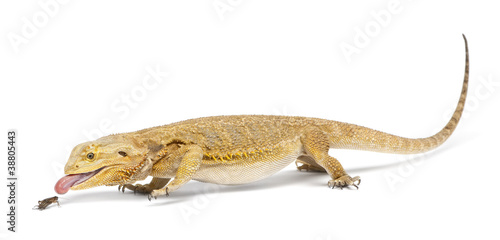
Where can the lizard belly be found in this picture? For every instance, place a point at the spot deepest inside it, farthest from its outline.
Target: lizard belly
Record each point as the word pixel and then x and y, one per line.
pixel 246 171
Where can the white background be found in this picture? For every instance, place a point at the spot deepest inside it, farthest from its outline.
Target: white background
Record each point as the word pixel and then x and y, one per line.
pixel 70 73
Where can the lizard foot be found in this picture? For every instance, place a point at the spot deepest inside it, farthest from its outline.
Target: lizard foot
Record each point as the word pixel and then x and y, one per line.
pixel 308 167
pixel 137 188
pixel 344 181
pixel 157 192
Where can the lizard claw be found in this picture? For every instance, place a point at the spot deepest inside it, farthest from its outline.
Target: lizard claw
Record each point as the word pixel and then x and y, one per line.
pixel 344 181
pixel 122 187
pixel 303 166
pixel 155 193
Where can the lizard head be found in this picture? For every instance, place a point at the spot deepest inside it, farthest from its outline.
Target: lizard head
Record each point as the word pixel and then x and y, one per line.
pixel 110 160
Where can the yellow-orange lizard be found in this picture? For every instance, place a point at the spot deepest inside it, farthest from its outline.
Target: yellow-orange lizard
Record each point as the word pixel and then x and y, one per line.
pixel 232 150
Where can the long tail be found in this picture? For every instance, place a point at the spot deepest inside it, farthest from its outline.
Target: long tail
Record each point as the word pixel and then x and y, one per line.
pixel 349 136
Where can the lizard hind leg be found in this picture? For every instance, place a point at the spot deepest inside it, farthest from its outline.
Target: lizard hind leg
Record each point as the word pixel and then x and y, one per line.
pixel 156 183
pixel 307 163
pixel 316 146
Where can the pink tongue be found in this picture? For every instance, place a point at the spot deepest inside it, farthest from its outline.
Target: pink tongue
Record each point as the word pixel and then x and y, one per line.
pixel 66 182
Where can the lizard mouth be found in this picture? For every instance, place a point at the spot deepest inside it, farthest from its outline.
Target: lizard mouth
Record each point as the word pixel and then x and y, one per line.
pixel 68 181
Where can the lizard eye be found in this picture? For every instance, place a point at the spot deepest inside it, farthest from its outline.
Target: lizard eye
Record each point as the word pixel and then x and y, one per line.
pixel 90 155
pixel 124 154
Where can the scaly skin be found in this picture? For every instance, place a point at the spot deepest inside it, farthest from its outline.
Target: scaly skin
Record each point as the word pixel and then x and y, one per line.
pixel 236 150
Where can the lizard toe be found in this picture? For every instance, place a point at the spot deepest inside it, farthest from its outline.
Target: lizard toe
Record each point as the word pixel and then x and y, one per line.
pixel 157 192
pixel 344 181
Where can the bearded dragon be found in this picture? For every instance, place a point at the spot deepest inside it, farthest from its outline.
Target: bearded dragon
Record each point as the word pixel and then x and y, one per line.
pixel 233 150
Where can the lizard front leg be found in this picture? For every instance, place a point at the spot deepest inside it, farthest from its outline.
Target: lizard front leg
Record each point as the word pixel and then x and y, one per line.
pixel 191 161
pixel 156 183
pixel 316 145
